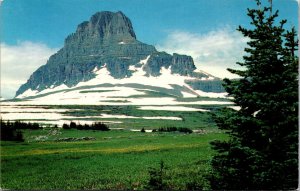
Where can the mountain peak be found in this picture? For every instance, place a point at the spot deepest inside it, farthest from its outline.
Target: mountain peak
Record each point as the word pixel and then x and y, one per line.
pixel 105 25
pixel 108 41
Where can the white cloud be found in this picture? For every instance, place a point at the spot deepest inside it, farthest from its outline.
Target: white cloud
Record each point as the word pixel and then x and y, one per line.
pixel 18 62
pixel 213 52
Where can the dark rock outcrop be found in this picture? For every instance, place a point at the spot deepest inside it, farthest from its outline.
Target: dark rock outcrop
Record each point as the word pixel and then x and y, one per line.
pixel 182 64
pixel 207 85
pixel 106 39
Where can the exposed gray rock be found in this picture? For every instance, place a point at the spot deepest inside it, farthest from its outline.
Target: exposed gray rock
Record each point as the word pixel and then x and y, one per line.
pixel 207 85
pixel 182 64
pixel 108 38
pixel 156 62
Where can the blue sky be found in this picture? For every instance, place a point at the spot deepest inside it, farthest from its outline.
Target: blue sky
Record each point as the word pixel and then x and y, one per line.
pixel 32 30
pixel 50 21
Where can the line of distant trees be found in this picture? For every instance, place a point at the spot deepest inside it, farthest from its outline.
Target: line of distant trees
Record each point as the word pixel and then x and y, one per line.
pixel 95 126
pixel 173 129
pixel 11 131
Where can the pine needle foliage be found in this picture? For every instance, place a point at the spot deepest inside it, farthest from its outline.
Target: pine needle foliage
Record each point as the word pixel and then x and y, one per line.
pixel 262 150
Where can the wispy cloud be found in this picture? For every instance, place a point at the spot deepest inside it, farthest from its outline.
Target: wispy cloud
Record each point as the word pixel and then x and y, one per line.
pixel 213 52
pixel 18 62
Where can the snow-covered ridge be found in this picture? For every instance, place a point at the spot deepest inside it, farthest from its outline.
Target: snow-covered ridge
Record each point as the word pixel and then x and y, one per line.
pixel 121 91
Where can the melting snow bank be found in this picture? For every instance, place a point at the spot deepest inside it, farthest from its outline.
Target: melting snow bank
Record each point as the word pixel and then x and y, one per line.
pixel 57 117
pixel 133 117
pixel 237 108
pixel 211 94
pixel 60 123
pixel 98 99
pixel 31 109
pixel 31 92
pixel 139 130
pixel 171 108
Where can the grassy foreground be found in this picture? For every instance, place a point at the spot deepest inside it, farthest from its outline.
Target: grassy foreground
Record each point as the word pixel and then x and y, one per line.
pixel 114 160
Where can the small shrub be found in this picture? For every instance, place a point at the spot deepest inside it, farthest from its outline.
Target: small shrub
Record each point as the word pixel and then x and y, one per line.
pixel 100 126
pixel 35 126
pixel 86 126
pixel 185 130
pixel 80 127
pixel 156 180
pixel 65 126
pixel 73 125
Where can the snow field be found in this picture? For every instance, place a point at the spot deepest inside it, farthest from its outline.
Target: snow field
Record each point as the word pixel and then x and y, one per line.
pixel 165 80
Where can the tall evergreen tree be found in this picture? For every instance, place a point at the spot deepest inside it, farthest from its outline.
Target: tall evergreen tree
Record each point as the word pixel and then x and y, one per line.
pixel 262 149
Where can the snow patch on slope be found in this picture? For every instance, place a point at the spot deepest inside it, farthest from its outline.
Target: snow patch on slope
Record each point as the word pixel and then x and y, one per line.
pixel 171 108
pixel 144 61
pixel 133 117
pixel 28 93
pixel 102 76
pixel 211 94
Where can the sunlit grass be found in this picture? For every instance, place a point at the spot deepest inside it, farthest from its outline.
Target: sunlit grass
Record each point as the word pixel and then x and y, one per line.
pixel 104 151
pixel 115 160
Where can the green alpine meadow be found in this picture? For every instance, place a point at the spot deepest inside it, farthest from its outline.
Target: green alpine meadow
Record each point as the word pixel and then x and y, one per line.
pixel 115 160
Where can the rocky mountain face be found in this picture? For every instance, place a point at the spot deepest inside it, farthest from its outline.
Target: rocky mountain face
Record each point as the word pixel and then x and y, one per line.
pixel 108 39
